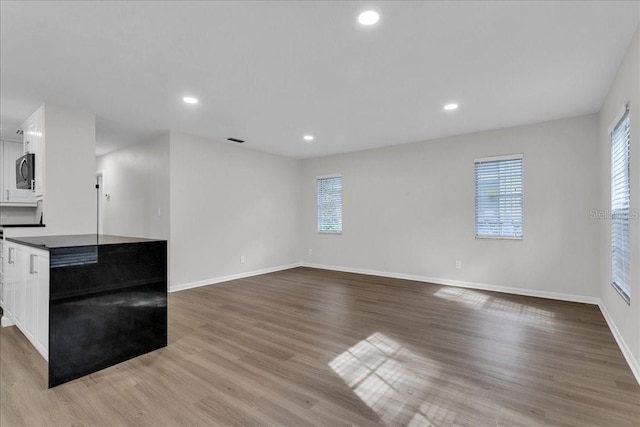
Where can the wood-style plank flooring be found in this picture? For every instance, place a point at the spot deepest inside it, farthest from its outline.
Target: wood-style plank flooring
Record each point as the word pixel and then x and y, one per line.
pixel 310 347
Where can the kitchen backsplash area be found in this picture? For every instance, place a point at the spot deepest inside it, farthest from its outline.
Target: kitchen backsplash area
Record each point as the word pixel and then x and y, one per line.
pixel 19 215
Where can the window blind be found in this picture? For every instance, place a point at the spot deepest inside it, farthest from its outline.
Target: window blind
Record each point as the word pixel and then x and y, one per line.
pixel 499 197
pixel 620 203
pixel 329 204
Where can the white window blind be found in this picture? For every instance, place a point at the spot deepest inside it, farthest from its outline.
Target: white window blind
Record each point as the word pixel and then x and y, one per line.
pixel 620 207
pixel 499 197
pixel 329 204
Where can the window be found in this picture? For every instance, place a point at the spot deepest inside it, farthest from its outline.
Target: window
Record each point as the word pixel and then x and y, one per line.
pixel 499 197
pixel 329 204
pixel 620 207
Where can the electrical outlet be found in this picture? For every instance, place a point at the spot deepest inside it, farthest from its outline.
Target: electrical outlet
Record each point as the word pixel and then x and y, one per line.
pixel 241 259
pixel 458 264
pixel 310 251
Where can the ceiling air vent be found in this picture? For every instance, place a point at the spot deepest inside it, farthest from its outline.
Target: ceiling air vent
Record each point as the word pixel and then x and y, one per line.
pixel 239 141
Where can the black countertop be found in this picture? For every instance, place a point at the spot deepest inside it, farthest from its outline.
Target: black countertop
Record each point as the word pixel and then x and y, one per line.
pixel 21 225
pixel 68 241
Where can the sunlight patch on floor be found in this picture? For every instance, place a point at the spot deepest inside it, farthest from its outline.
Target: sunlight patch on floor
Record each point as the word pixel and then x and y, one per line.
pixel 501 308
pixel 536 317
pixel 463 296
pixel 378 370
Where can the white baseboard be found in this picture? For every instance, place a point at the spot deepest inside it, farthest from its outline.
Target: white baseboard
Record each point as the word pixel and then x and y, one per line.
pixel 214 280
pixel 631 361
pixel 462 284
pixel 6 321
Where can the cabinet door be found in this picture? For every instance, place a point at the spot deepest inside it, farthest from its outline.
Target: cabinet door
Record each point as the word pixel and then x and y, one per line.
pixel 41 334
pixel 19 294
pixel 36 321
pixel 29 133
pixel 30 289
pixel 2 298
pixel 3 166
pixel 11 280
pixel 33 142
pixel 38 125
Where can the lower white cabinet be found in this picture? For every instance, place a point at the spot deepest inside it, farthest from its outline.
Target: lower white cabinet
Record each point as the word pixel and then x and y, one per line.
pixel 2 274
pixel 26 293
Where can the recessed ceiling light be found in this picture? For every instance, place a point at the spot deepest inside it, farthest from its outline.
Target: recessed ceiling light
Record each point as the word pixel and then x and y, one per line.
pixel 308 137
pixel 190 100
pixel 368 18
pixel 450 107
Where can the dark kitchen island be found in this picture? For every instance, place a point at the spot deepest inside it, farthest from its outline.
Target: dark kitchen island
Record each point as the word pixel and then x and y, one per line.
pixel 107 300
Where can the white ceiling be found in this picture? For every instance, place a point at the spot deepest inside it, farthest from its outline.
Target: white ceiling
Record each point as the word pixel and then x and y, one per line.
pixel 269 72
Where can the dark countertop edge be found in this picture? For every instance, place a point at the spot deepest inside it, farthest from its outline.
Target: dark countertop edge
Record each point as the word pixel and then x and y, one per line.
pixel 49 247
pixel 20 225
pixel 32 245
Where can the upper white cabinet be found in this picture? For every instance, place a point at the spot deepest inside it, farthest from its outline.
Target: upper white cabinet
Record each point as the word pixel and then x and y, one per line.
pixel 11 196
pixel 33 140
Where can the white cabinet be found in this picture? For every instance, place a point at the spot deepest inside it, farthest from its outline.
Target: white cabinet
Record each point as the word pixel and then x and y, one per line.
pixel 36 317
pixel 26 293
pixel 11 278
pixel 33 142
pixel 11 196
pixel 41 278
pixel 29 134
pixel 2 274
pixel 14 279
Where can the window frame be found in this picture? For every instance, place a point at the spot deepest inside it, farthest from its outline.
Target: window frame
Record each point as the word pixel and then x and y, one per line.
pixel 624 290
pixel 479 160
pixel 318 179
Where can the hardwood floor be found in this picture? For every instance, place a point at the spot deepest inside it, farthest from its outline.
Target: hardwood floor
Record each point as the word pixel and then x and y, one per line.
pixel 311 347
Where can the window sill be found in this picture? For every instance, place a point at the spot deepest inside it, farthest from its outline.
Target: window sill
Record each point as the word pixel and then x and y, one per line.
pixel 497 238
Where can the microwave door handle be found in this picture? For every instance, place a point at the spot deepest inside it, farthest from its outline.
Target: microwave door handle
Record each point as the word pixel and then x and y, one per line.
pixel 24 169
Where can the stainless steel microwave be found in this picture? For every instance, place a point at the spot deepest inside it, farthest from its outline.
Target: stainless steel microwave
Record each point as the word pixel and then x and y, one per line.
pixel 25 171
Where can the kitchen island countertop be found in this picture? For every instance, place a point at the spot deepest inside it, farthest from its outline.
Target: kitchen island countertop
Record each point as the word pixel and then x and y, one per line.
pixel 74 240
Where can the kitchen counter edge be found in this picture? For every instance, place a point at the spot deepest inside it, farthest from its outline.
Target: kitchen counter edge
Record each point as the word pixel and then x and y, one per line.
pixel 77 240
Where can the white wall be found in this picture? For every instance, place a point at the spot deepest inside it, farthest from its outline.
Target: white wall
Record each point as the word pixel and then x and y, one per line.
pixel 137 181
pixel 409 209
pixel 70 196
pixel 227 201
pixel 624 318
